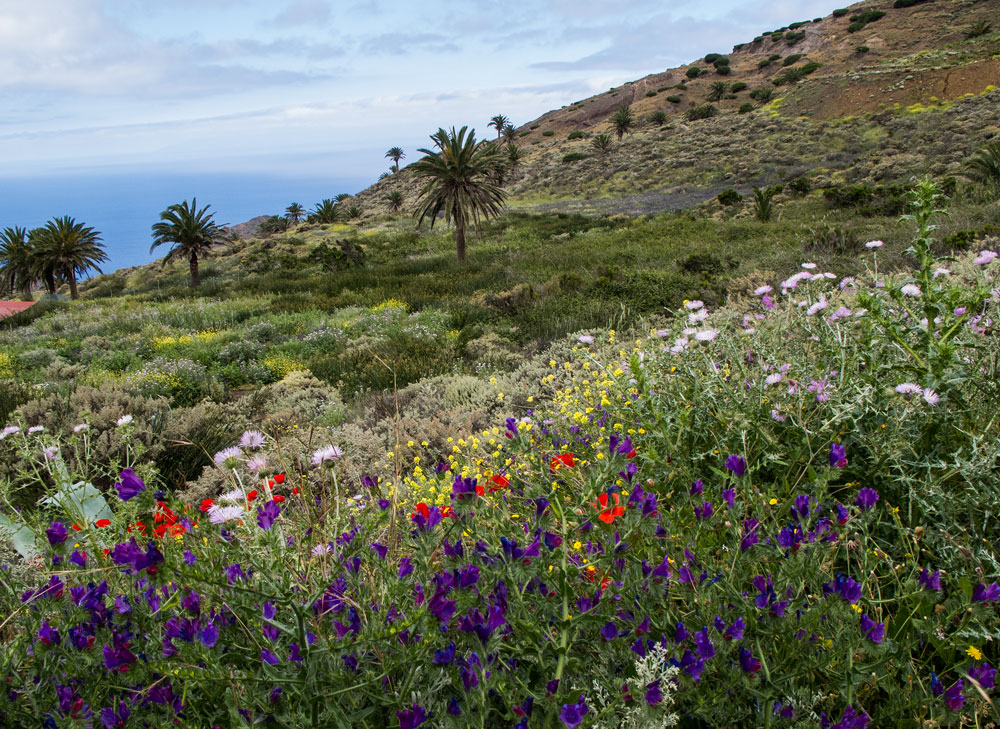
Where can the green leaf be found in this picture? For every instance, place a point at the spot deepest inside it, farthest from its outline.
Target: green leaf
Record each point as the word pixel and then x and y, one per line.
pixel 21 536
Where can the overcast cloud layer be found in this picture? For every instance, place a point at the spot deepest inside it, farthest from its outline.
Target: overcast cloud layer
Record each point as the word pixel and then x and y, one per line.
pixel 298 86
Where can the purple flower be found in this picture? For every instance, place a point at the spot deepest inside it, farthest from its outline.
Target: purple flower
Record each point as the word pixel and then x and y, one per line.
pixel 609 631
pixel 729 496
pixel 79 558
pixel 737 464
pixel 48 635
pixel 572 715
pixel 209 635
pixel 112 719
pixel 748 662
pixel 380 549
pixel 267 514
pixel 875 632
pixel 412 717
pixel 269 658
pixel 750 537
pixel 56 533
pixel 405 568
pixel 130 485
pixel 866 499
pixel 735 631
pixel 937 688
pixel 930 580
pixel 653 694
pixel 984 674
pixel 697 487
pixel 838 456
pixel 845 587
pixel 984 593
pixel 851 719
pixel 117 656
pixel 953 697
pixel 234 572
pixel 703 643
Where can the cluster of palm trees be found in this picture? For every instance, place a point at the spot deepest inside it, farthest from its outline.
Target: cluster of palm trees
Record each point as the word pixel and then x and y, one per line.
pixel 59 252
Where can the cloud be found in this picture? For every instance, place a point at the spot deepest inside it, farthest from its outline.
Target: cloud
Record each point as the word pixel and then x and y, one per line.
pixel 400 44
pixel 303 12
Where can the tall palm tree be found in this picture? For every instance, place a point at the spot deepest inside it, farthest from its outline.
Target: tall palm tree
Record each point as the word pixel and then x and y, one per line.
pixel 509 133
pixel 499 122
pixel 326 211
pixel 514 156
pixel 718 91
pixel 18 267
pixel 191 233
pixel 622 121
pixel 395 201
pixel 67 249
pixel 295 213
pixel 395 154
pixel 459 181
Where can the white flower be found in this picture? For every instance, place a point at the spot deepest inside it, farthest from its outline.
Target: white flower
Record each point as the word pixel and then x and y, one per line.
pixel 222 514
pixel 80 428
pixel 681 342
pixel 9 430
pixel 706 335
pixel 761 290
pixel 941 272
pixel 252 439
pixel 984 257
pixel 320 549
pixel 874 244
pixel 775 378
pixel 234 496
pixel 124 420
pixel 676 349
pixel 909 388
pixel 36 428
pixel 661 333
pixel 694 305
pixel 698 316
pixel 226 456
pixel 326 453
pixel 910 290
pixel 688 331
pixel 931 397
pixel 256 464
pixel 585 339
pixel 817 307
pixel 809 266
pixel 828 275
pixel 777 416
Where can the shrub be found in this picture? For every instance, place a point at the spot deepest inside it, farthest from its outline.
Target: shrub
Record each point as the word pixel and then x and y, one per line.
pixel 763 95
pixel 705 111
pixel 763 205
pixel 711 57
pixel 693 72
pixel 723 70
pixel 907 3
pixel 548 133
pixel 658 117
pixel 774 57
pixel 574 157
pixel 862 19
pixel 745 108
pixel 729 197
pixel 575 135
pixel 789 60
pixel 800 186
pixel 720 61
pixel 860 50
pixel 738 87
pixel 793 38
pixel 980 28
pixel 523 134
pixel 840 12
pixel 663 88
pixel 764 63
pixel 650 94
pixel 674 99
pixel 534 126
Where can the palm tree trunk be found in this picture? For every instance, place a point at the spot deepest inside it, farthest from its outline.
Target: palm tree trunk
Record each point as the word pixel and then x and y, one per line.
pixel 74 291
pixel 50 282
pixel 460 237
pixel 195 276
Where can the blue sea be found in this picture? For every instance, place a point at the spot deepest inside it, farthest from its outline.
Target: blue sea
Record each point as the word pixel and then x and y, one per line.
pixel 124 206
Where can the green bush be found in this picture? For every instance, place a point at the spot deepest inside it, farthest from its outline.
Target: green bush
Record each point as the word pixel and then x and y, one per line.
pixel 774 57
pixel 705 111
pixel 764 63
pixel 789 60
pixel 907 3
pixel 575 135
pixel 745 108
pixel 729 197
pixel 793 38
pixel 663 88
pixel 674 99
pixel 862 19
pixel 800 185
pixel 723 70
pixel 650 94
pixel 860 50
pixel 840 12
pixel 711 57
pixel 738 87
pixel 693 72
pixel 720 61
pixel 574 157
pixel 548 133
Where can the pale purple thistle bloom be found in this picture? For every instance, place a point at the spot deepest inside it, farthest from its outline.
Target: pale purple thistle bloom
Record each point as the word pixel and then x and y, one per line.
pixel 252 440
pixel 326 454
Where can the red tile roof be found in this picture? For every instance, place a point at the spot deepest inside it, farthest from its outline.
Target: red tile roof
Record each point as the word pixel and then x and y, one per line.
pixel 8 308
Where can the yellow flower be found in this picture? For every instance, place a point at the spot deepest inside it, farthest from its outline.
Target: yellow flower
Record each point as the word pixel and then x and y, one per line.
pixel 773 502
pixel 974 653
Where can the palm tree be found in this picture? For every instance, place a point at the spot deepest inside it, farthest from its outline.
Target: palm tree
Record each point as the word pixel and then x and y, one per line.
pixel 984 166
pixel 395 154
pixel 341 196
pixel 191 233
pixel 459 182
pixel 326 212
pixel 395 200
pixel 509 133
pixel 67 249
pixel 18 267
pixel 499 122
pixel 294 213
pixel 763 205
pixel 514 156
pixel 622 121
pixel 718 92
pixel 602 143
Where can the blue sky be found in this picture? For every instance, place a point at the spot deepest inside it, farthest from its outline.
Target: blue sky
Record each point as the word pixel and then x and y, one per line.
pixel 313 87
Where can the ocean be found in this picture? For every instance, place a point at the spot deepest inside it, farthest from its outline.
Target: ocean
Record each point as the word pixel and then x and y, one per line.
pixel 123 207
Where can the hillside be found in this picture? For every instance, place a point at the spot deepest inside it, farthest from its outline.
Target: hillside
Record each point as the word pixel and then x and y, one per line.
pixel 910 92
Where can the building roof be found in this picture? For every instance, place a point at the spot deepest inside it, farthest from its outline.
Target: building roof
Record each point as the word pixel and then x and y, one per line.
pixel 7 308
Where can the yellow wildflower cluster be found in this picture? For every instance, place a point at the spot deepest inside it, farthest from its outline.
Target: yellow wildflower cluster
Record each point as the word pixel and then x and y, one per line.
pixel 7 365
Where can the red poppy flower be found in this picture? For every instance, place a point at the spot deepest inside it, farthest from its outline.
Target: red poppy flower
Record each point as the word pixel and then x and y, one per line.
pixel 270 483
pixel 480 490
pixel 566 459
pixel 631 454
pixel 295 490
pixel 252 495
pixel 447 511
pixel 206 504
pixel 280 478
pixel 159 530
pixel 500 482
pixel 177 530
pixel 609 514
pixel 278 497
pixel 100 523
pixel 75 527
pixel 421 509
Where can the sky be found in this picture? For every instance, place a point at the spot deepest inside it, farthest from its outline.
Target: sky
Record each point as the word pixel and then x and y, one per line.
pixel 320 87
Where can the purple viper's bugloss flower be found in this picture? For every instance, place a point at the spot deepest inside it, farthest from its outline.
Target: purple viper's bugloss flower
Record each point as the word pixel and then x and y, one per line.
pixel 846 587
pixel 571 715
pixel 269 658
pixel 937 688
pixel 697 487
pixel 735 631
pixel 748 662
pixel 729 496
pixel 609 631
pixel 118 656
pixel 985 675
pixel 866 499
pixel 737 464
pixel 380 549
pixel 56 533
pixel 953 697
pixel 838 456
pixel 209 635
pixel 653 694
pixel 703 643
pixel 79 558
pixel 111 718
pixel 48 635
pixel 405 568
pixel 267 514
pixel 130 485
pixel 704 511
pixel 986 593
pixel 875 632
pixel 412 717
pixel 930 580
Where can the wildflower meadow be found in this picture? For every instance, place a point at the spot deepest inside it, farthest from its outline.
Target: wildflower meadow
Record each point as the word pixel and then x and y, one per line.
pixel 781 512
